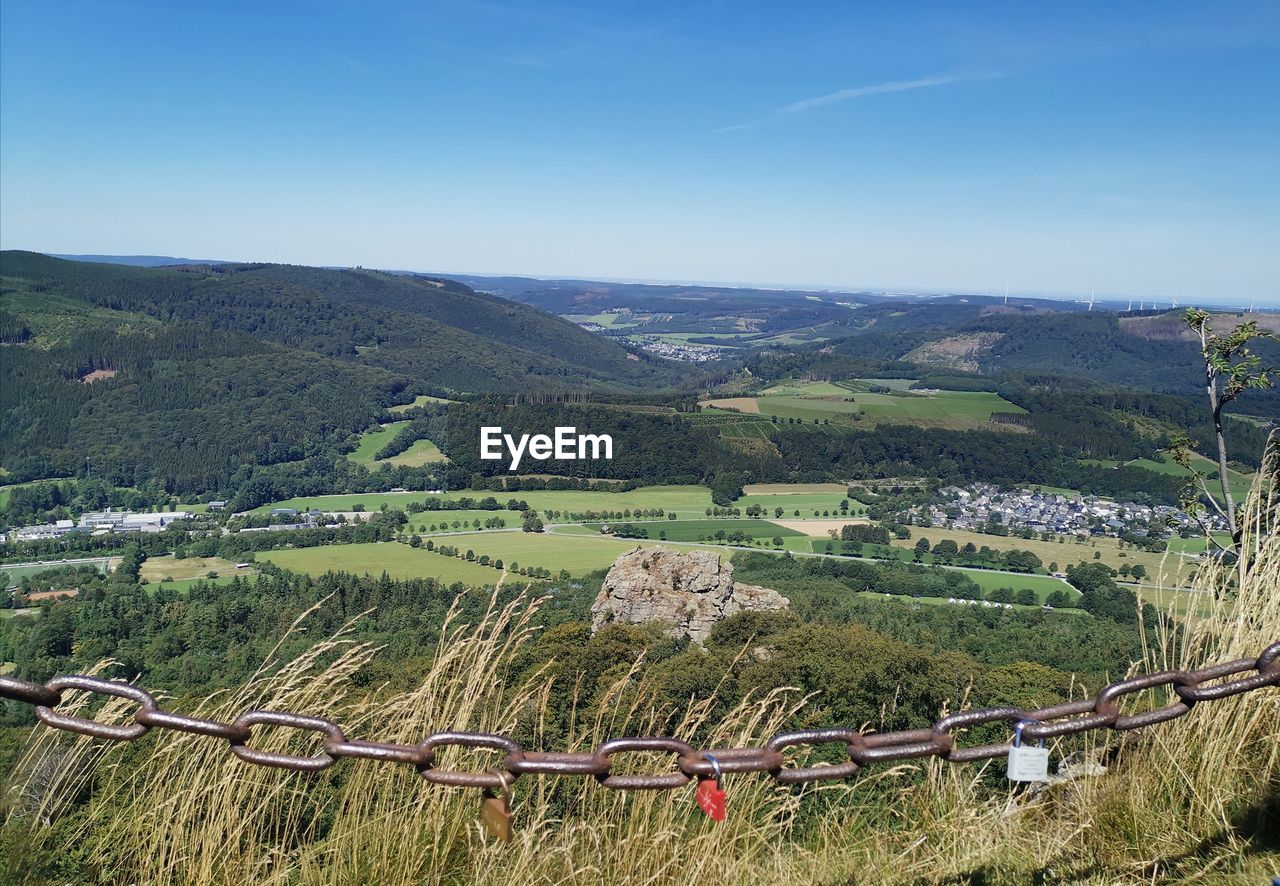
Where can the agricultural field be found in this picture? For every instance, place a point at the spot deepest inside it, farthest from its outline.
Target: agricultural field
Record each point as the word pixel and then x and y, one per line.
pixel 688 501
pixel 705 530
pixel 399 561
pixel 818 528
pixel 807 498
pixel 578 553
pixel 372 441
pixel 170 570
pixel 444 520
pixel 1171 568
pixel 733 426
pixel 841 401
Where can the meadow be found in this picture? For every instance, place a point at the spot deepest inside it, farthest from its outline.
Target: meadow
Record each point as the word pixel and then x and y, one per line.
pixel 702 530
pixel 170 569
pixel 396 560
pixel 372 441
pixel 688 501
pixel 18 573
pixel 420 452
pixel 420 400
pixel 807 498
pixel 1172 568
pixel 841 401
pixel 1238 482
pixel 443 520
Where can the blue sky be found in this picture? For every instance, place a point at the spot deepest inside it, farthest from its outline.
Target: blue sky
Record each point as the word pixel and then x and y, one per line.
pixel 1128 148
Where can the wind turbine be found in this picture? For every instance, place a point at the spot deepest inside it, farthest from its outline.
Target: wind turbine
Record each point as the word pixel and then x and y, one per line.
pixel 1091 299
pixel 1175 302
pixel 1129 310
pixel 1006 293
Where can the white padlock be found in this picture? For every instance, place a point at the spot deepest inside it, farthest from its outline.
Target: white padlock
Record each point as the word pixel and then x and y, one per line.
pixel 1027 763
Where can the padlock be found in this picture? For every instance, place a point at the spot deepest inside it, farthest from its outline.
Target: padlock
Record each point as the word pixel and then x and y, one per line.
pixel 495 813
pixel 710 796
pixel 1027 763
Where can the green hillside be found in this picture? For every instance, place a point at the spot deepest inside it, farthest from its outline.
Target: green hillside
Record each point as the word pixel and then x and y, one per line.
pixel 187 376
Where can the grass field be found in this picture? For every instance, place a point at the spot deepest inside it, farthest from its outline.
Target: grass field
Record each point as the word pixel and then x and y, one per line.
pixel 836 489
pixel 1171 569
pixel 444 520
pixel 805 503
pixel 420 400
pixel 578 553
pixel 1238 482
pixel 1196 544
pixel 156 569
pixel 420 452
pixel 18 573
pixel 839 401
pixel 397 560
pixel 688 501
pixel 372 441
pixel 699 530
pixel 1042 585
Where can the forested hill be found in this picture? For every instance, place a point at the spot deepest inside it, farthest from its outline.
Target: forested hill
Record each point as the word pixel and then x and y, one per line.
pixel 183 376
pixel 440 330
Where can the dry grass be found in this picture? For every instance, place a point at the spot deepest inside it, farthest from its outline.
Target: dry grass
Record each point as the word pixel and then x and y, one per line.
pixel 1177 802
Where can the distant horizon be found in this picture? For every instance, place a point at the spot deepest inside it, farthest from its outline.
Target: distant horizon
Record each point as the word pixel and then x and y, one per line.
pixel 1100 298
pixel 1057 149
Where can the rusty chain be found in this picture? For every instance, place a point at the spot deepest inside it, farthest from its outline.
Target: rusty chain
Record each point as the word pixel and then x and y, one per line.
pixel 1205 684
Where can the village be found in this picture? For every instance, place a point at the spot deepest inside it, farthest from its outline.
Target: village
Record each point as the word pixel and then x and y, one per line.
pixel 983 507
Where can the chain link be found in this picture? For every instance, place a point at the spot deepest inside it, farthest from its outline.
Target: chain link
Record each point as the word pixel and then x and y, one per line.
pixel 1189 687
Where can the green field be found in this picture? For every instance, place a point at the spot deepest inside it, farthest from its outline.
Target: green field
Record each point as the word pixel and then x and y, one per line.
pixel 700 530
pixel 420 400
pixel 184 585
pixel 1043 585
pixel 688 501
pixel 420 452
pixel 397 560
pixel 18 573
pixel 372 441
pixel 578 553
pixel 1239 483
pixel 422 523
pixel 805 389
pixel 808 401
pixel 1197 544
pixel 805 503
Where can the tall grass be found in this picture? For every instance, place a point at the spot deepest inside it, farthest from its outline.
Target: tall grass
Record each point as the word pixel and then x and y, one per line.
pixel 1185 800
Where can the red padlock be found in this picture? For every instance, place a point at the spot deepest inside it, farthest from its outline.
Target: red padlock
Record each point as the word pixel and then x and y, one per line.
pixel 710 795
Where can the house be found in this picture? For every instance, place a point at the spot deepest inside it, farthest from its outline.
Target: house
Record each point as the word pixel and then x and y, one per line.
pixel 217 505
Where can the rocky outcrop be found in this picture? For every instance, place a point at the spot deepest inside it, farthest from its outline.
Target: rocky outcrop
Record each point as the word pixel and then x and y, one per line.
pixel 689 591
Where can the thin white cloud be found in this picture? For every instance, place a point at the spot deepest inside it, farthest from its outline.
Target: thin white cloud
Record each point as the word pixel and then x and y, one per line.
pixel 880 89
pixel 843 95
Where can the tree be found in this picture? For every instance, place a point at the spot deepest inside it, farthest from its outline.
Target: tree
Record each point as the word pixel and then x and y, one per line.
pixel 530 522
pixel 1230 369
pixel 922 548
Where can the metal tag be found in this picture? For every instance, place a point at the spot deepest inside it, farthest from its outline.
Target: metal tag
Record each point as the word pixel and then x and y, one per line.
pixel 1028 763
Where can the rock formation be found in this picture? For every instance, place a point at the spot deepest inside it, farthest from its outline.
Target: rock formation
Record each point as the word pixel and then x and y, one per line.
pixel 689 591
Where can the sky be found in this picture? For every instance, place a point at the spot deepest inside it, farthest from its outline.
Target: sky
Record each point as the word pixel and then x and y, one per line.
pixel 1128 148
